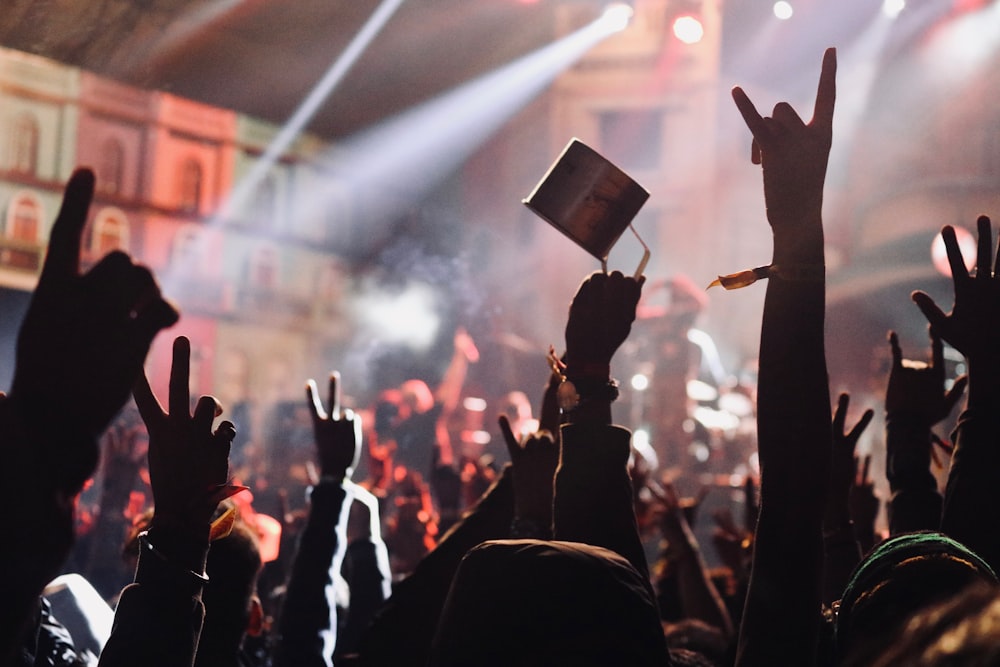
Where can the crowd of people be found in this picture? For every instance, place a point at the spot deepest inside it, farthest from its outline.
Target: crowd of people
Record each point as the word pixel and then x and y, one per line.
pixel 426 556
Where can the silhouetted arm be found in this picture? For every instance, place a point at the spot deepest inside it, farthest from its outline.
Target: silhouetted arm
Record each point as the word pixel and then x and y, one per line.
pixel 79 350
pixel 308 625
pixel 780 622
pixel 971 511
pixel 159 616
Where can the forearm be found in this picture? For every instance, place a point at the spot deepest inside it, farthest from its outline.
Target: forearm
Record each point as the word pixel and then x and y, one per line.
pixel 970 511
pixel 915 503
pixel 366 570
pixel 159 617
pixel 698 595
pixel 795 439
pixel 450 389
pixel 593 492
pixel 781 617
pixel 39 526
pixel 308 626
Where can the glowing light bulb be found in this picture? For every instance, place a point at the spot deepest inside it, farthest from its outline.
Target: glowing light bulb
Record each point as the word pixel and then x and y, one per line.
pixel 688 29
pixel 783 10
pixel 617 16
pixel 892 8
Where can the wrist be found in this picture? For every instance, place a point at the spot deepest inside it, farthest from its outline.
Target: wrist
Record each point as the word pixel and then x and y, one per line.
pixel 800 247
pixel 595 370
pixel 184 546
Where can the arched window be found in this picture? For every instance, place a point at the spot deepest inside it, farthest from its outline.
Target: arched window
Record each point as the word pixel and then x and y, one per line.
pixel 24 217
pixel 191 176
pixel 111 167
pixel 24 144
pixel 111 232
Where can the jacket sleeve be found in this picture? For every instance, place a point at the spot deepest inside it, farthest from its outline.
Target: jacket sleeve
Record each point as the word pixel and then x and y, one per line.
pixel 308 624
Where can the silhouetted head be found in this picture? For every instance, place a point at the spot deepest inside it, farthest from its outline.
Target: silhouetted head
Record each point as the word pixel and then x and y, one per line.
pixel 232 609
pixel 901 576
pixel 532 602
pixel 959 632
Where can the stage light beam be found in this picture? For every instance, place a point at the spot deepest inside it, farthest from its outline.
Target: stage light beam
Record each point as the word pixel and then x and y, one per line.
pixel 308 108
pixel 395 163
pixel 892 8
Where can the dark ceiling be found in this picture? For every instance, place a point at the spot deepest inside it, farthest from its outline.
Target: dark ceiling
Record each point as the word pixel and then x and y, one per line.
pixel 262 57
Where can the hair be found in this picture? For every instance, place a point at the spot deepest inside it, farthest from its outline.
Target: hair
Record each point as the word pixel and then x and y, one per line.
pixel 232 567
pixel 531 602
pixel 959 632
pixel 903 575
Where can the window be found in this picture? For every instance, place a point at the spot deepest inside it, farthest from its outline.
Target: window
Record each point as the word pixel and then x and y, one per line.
pixel 111 167
pixel 189 198
pixel 24 217
pixel 24 145
pixel 111 232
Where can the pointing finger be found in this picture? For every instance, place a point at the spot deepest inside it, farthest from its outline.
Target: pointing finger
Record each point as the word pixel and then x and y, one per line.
pixel 63 258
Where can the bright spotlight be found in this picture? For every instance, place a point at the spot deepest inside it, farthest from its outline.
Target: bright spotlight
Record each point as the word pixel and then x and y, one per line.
pixel 640 382
pixel 939 255
pixel 617 16
pixel 783 10
pixel 892 8
pixel 688 29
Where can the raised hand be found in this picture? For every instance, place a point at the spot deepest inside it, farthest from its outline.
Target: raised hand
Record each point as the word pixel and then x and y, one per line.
pixel 843 462
pixel 534 460
pixel 916 389
pixel 188 461
pixel 974 319
pixel 337 433
pixel 600 319
pixel 794 157
pixel 84 338
pixel 83 341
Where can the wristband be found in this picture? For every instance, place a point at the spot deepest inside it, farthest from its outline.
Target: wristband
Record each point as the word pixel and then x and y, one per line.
pixel 572 393
pixel 146 545
pixel 796 273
